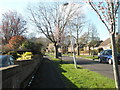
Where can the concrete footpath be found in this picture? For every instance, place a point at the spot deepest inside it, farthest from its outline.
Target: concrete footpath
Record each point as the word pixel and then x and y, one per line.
pixel 47 76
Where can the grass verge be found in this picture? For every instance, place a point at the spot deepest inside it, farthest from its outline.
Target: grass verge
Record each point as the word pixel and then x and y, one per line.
pixel 88 57
pixel 83 56
pixel 82 78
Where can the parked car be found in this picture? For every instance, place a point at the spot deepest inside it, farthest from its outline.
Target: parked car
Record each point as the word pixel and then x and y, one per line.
pixel 106 56
pixel 6 60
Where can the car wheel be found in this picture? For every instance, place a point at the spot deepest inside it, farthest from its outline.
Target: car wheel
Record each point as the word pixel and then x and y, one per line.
pixel 99 60
pixel 110 61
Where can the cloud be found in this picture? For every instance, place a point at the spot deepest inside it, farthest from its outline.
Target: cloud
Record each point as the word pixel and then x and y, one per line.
pixel 10 1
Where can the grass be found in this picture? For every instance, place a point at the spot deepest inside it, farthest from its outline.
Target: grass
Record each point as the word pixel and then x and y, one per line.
pixel 82 78
pixel 88 57
pixel 50 55
pixel 83 56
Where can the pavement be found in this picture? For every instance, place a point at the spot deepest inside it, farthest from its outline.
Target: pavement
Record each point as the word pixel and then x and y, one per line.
pixel 47 76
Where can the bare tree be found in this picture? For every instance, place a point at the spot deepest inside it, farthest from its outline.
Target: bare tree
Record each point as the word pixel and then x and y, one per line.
pixel 77 28
pixel 13 24
pixel 84 38
pixel 107 11
pixel 93 36
pixel 52 18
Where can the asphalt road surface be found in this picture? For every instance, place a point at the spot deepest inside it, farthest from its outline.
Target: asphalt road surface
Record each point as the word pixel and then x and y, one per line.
pixel 101 68
pixel 47 76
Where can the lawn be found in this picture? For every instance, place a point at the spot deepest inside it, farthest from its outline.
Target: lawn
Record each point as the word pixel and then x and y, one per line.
pixel 88 57
pixel 50 54
pixel 83 56
pixel 82 78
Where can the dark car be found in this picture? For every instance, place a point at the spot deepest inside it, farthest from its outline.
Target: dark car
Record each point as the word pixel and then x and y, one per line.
pixel 106 56
pixel 6 60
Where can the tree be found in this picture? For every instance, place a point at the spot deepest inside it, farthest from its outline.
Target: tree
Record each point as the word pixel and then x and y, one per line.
pixel 77 27
pixel 35 47
pixel 67 40
pixel 50 18
pixel 107 12
pixel 13 24
pixel 84 38
pixel 118 43
pixel 93 36
pixel 15 42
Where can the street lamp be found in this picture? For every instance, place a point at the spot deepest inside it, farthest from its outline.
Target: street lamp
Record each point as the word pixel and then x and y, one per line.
pixel 72 46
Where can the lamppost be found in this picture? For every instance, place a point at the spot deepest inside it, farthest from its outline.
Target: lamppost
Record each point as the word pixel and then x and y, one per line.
pixel 72 48
pixel 71 39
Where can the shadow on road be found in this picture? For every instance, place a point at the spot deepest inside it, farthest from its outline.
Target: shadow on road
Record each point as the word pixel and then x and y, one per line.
pixel 49 75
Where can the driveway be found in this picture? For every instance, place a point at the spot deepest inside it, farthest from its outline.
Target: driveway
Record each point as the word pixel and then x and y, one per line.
pixel 101 68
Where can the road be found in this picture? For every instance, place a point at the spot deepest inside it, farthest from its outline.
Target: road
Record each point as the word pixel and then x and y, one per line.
pixel 101 68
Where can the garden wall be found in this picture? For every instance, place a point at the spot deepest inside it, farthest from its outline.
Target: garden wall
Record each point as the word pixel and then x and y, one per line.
pixel 20 74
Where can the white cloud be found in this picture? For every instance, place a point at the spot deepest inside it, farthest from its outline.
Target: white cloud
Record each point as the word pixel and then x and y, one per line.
pixel 10 1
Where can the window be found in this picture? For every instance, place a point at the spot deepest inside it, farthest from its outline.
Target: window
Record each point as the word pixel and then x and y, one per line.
pixel 110 52
pixel 11 60
pixel 102 52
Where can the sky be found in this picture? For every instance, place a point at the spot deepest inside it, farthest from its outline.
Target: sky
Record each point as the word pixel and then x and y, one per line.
pixel 21 5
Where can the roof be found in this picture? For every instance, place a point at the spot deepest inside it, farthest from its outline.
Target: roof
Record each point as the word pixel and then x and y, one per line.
pixel 106 42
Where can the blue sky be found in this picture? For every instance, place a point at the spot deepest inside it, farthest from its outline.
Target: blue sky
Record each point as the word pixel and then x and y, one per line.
pixel 21 5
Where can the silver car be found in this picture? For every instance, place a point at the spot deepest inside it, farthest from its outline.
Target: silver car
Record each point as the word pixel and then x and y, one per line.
pixel 6 60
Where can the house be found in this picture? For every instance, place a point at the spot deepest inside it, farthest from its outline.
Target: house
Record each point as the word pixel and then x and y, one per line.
pixel 96 46
pixel 50 47
pixel 106 44
pixel 70 49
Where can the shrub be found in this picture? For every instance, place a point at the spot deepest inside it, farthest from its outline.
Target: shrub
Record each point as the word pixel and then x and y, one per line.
pixel 36 48
pixel 5 49
pixel 26 56
pixel 27 44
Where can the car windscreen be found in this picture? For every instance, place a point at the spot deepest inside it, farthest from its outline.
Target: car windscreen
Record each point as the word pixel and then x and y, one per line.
pixel 109 52
pixel 3 61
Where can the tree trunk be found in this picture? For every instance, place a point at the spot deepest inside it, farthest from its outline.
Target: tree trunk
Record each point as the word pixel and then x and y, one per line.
pixel 115 63
pixel 93 51
pixel 89 50
pixel 78 50
pixel 56 50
